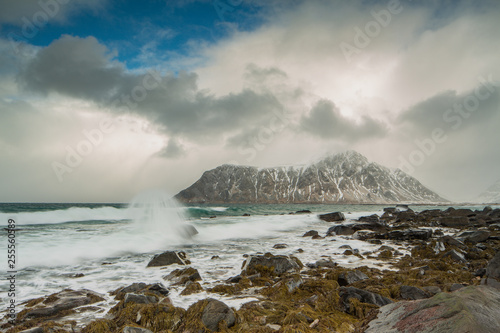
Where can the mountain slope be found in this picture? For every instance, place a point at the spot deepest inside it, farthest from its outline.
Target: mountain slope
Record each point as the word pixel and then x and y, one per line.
pixel 343 178
pixel 491 195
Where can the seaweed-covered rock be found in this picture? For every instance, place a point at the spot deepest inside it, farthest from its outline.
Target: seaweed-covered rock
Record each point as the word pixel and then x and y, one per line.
pixel 332 217
pixel 169 258
pixel 413 293
pixel 474 309
pixel 56 304
pixel 350 277
pixel 347 294
pixel 182 275
pixel 139 299
pixel 275 265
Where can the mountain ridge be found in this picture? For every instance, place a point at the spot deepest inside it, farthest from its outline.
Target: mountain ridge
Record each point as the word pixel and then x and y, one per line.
pixel 342 178
pixel 490 195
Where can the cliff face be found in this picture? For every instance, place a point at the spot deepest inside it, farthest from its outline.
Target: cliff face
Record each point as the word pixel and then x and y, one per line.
pixel 343 178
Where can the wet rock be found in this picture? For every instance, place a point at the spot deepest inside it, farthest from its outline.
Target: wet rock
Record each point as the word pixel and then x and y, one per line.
pixel 328 263
pixel 370 219
pixel 191 288
pixel 480 272
pixel 141 288
pixel 341 230
pixel 304 211
pixel 130 329
pixel 474 309
pixel 350 229
pixel 350 277
pixel 215 257
pixel 215 312
pixel 33 330
pixel 493 272
pixel 413 293
pixel 410 234
pixel 67 299
pixel 474 236
pixel 139 299
pixel 280 246
pixel 188 231
pixel 332 217
pixel 277 265
pixel 364 296
pixel 246 214
pixel 169 258
pixel 390 210
pixel 311 233
pixel 448 240
pixel 454 221
pixel 455 255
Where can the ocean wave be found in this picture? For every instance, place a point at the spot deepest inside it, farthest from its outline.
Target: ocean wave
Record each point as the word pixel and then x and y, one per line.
pixel 73 214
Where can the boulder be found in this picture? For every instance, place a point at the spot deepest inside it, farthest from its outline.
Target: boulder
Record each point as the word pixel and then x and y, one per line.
pixel 341 230
pixel 454 221
pixel 311 233
pixel 370 219
pixel 328 263
pixel 139 299
pixel 141 288
pixel 169 258
pixel 364 296
pixel 350 277
pixel 455 255
pixel 276 264
pixel 304 211
pixel 350 229
pixel 280 246
pixel 215 312
pixel 413 293
pixel 410 234
pixel 332 217
pixel 183 275
pixel 474 309
pixel 474 236
pixel 492 274
pixel 67 299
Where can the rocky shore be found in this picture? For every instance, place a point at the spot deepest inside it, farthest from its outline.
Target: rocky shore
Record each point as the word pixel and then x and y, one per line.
pixel 444 276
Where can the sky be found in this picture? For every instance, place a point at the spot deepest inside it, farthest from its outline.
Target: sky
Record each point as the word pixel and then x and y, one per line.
pixel 103 99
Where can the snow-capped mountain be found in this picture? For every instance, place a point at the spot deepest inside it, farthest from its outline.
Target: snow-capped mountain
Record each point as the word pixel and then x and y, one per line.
pixel 343 178
pixel 491 195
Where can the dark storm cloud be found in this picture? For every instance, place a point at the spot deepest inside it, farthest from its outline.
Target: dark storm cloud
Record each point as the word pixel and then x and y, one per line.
pixel 172 150
pixel 17 12
pixel 326 122
pixel 84 68
pixel 450 110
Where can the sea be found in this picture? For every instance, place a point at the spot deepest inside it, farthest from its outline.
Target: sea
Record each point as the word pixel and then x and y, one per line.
pixel 102 247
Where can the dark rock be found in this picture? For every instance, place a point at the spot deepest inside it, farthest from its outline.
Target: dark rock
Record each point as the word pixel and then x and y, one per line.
pixel 139 299
pixel 474 236
pixel 413 293
pixel 234 279
pixel 33 330
pixel 322 263
pixel 432 290
pixel 390 210
pixel 64 300
pixel 169 258
pixel 158 289
pixel 480 272
pixel 317 237
pixel 448 240
pixel 215 257
pixel 474 309
pixel 350 277
pixel 348 293
pixel 341 230
pixel 215 312
pixel 246 214
pixel 183 275
pixel 311 233
pixel 141 288
pixel 130 329
pixel 370 219
pixel 280 246
pixel 304 211
pixel 456 286
pixel 191 288
pixel 455 255
pixel 332 217
pixel 279 264
pixel 410 234
pixel 493 270
pixel 454 221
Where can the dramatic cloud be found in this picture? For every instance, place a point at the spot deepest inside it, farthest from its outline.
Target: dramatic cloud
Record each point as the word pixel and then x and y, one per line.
pixel 326 121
